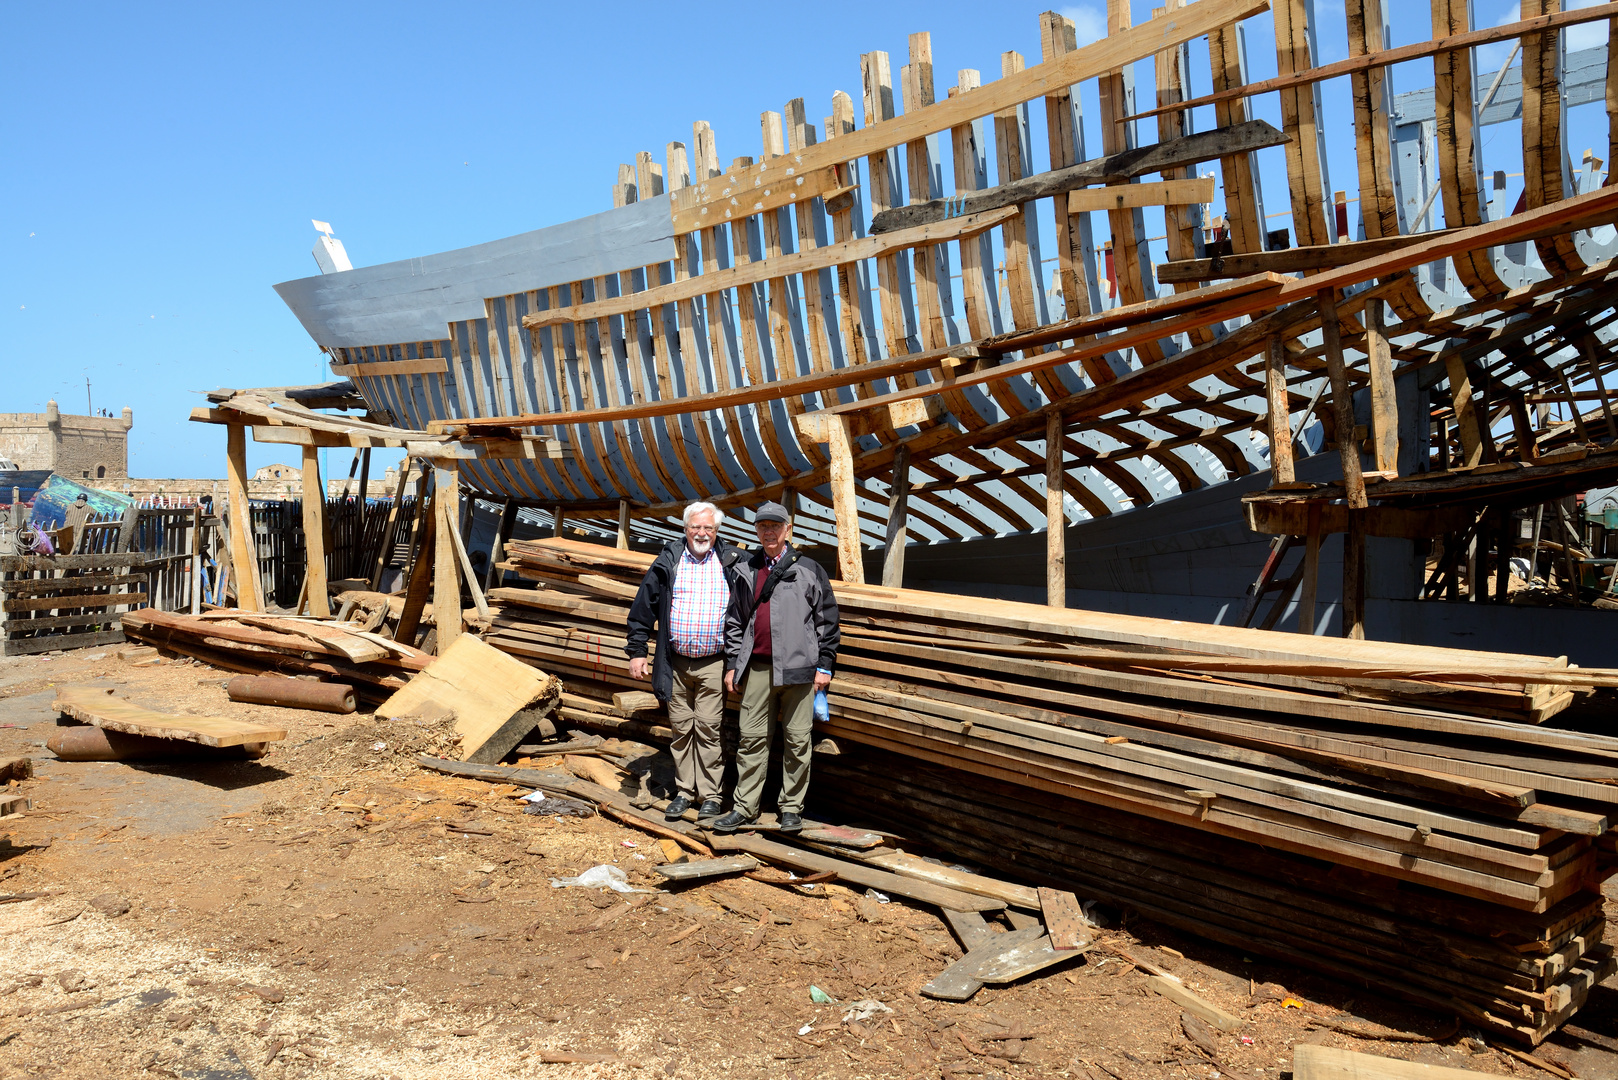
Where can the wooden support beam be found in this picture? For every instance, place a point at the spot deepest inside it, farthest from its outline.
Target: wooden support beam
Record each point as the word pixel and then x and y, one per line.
pixel 1130 196
pixel 382 549
pixel 1055 515
pixel 1354 577
pixel 314 535
pixel 845 502
pixel 446 568
pixel 893 556
pixel 1342 401
pixel 1466 413
pixel 556 521
pixel 1278 417
pixel 420 584
pixel 1116 168
pixel 1311 572
pixel 1588 348
pixel 365 479
pixel 623 525
pixel 242 555
pixel 502 537
pixel 1384 397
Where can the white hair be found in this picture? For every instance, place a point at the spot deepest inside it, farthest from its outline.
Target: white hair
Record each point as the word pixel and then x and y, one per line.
pixel 703 508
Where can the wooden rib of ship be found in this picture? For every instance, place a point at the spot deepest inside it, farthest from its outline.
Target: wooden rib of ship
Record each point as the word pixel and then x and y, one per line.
pixel 840 321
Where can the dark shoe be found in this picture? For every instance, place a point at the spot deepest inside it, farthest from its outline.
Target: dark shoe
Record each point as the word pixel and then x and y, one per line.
pixel 710 808
pixel 676 808
pixel 731 822
pixel 788 821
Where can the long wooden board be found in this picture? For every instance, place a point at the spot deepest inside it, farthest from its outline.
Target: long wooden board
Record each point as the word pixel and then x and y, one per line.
pixel 857 873
pixel 96 706
pixel 487 691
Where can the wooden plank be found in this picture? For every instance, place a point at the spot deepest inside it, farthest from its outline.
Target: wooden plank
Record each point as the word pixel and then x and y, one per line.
pixel 845 500
pixel 1278 414
pixel 95 706
pixel 429 366
pixel 1384 394
pixel 893 551
pixel 55 642
pixel 1291 260
pixel 754 188
pixel 1128 196
pixel 969 928
pixel 1176 992
pixel 446 569
pixel 1348 449
pixel 487 692
pixel 334 637
pixel 1312 1061
pixel 32 563
pixel 1055 516
pixel 707 868
pixel 1063 919
pixel 751 273
pixel 914 866
pixel 858 873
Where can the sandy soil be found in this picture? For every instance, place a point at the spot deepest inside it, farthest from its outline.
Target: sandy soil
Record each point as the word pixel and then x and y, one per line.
pixel 326 912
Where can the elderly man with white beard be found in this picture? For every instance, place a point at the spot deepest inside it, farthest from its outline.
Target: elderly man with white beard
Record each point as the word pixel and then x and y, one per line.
pixel 683 600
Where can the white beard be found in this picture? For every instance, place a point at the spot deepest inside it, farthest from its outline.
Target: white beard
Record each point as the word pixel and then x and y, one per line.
pixel 701 547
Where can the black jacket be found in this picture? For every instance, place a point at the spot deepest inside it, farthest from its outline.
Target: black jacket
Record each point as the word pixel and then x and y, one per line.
pixel 650 612
pixel 804 631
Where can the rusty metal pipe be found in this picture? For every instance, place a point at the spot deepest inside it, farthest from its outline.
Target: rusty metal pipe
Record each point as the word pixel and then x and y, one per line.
pixel 88 743
pixel 291 693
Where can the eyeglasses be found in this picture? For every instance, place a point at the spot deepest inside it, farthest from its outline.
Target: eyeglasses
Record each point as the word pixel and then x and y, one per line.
pixel 700 528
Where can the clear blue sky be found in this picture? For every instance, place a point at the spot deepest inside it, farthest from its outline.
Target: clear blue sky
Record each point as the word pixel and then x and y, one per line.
pixel 163 161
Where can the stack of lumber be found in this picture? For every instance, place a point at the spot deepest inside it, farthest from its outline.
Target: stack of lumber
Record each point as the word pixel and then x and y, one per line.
pixel 291 645
pixel 1395 808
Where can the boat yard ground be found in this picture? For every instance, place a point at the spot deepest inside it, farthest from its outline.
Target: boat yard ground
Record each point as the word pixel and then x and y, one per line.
pixel 312 914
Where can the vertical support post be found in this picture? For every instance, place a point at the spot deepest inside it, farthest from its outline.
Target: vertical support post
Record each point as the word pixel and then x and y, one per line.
pixel 196 560
pixel 421 568
pixel 845 501
pixel 1278 417
pixel 1467 428
pixel 1579 429
pixel 386 543
pixel 1384 396
pixel 502 537
pixel 1342 402
pixel 623 525
pixel 365 479
pixel 446 567
pixel 314 535
pixel 242 555
pixel 1592 360
pixel 893 557
pixel 556 522
pixel 1504 542
pixel 1311 573
pixel 1354 577
pixel 1055 515
pixel 1527 442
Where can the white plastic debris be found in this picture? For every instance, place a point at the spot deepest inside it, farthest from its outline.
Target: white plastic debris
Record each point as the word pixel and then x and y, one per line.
pixel 863 1010
pixel 806 1029
pixel 881 898
pixel 598 877
pixel 379 746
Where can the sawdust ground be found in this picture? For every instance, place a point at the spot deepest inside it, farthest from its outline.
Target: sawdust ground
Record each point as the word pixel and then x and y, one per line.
pixel 315 914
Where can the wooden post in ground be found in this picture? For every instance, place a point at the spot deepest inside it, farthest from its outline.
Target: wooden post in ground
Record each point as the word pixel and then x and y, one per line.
pixel 556 524
pixel 1466 413
pixel 386 543
pixel 1342 402
pixel 314 535
pixel 1278 418
pixel 1384 397
pixel 1311 573
pixel 196 559
pixel 502 537
pixel 1354 577
pixel 623 525
pixel 421 570
pixel 1055 515
pixel 242 556
pixel 893 556
pixel 446 566
pixel 845 501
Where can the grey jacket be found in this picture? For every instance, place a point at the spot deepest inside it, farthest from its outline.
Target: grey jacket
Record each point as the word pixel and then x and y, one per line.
pixel 803 619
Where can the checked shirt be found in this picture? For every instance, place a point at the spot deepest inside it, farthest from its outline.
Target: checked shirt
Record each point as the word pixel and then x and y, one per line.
pixel 697 608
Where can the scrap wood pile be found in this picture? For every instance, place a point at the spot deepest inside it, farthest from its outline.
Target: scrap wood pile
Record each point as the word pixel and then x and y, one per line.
pixel 254 644
pixel 1398 786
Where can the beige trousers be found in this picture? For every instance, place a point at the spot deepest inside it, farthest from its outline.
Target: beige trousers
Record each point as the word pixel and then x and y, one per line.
pixel 762 704
pixel 695 709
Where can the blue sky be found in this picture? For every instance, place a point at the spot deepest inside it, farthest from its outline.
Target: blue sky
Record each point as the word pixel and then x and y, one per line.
pixel 164 161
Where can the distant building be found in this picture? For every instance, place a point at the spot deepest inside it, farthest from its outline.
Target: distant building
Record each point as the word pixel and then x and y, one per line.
pixel 77 447
pixel 279 472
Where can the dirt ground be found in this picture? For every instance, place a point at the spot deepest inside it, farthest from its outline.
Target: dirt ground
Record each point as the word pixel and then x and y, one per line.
pixel 332 910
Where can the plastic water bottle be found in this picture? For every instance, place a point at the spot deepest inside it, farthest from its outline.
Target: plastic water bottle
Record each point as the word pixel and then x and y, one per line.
pixel 822 709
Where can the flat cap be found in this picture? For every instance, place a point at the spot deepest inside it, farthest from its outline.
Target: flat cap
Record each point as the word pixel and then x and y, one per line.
pixel 771 511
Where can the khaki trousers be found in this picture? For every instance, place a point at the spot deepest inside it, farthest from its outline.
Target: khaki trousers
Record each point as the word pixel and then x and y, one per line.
pixel 762 704
pixel 695 708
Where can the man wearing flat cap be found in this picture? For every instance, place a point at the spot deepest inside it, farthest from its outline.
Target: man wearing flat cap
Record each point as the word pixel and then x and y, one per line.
pixel 780 647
